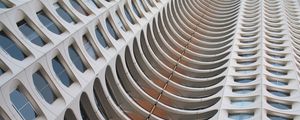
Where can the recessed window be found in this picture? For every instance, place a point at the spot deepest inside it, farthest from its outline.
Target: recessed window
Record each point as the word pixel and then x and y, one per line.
pixel 1 118
pixel 64 14
pixel 78 7
pixel 100 37
pixel 84 115
pixel 89 48
pixel 48 23
pixel 10 47
pixel 277 72
pixel 140 2
pixel 276 49
pixel 277 56
pixel 280 105
pixel 150 3
pixel 43 87
pixel 244 80
pixel 111 29
pixel 61 72
pixel 3 5
pixel 276 41
pixel 275 117
pixel 240 116
pixel 127 14
pixel 241 103
pixel 69 115
pixel 30 33
pixel 246 47
pixel 22 105
pixel 277 64
pixel 92 3
pixel 246 41
pixel 277 82
pixel 245 71
pixel 2 71
pixel 110 91
pixel 248 62
pixel 99 105
pixel 119 22
pixel 75 58
pixel 246 54
pixel 243 91
pixel 245 62
pixel 135 10
pixel 279 93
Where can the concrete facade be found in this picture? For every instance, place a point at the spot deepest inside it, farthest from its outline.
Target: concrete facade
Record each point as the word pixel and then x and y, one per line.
pixel 150 59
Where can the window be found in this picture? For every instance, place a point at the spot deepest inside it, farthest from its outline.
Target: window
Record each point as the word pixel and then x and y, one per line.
pixel 10 47
pixel 75 58
pixel 61 72
pixel 246 55
pixel 99 105
pixel 120 22
pixel 246 47
pixel 279 93
pixel 64 14
pixel 3 115
pixel 240 116
pixel 150 3
pixel 92 3
pixel 3 5
pixel 22 105
pixel 78 7
pixel 43 87
pixel 111 29
pixel 245 62
pixel 48 23
pixel 280 105
pixel 100 37
pixel 83 112
pixel 245 71
pixel 87 113
pixel 135 9
pixel 277 64
pixel 244 41
pixel 276 56
pixel 128 16
pixel 243 91
pixel 275 117
pixel 1 118
pixel 110 91
pixel 2 71
pixel 241 103
pixel 69 115
pixel 30 33
pixel 89 48
pixel 279 83
pixel 140 2
pixel 277 72
pixel 276 49
pixel 244 80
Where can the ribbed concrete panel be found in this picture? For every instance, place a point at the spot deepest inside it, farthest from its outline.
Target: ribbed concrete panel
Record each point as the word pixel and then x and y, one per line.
pixel 150 59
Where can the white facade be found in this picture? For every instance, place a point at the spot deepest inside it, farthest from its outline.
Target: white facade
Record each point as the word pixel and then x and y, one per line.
pixel 150 59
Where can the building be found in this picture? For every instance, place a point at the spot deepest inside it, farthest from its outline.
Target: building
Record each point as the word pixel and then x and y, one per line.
pixel 150 59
